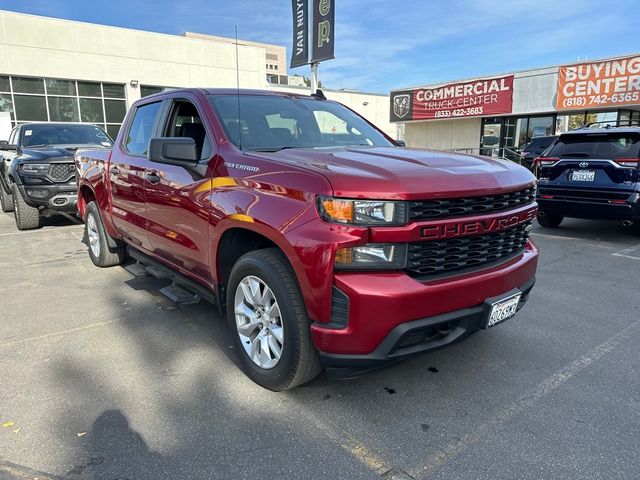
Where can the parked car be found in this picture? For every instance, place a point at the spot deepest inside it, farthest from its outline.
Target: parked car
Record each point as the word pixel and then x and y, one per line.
pixel 534 149
pixel 37 173
pixel 591 173
pixel 326 249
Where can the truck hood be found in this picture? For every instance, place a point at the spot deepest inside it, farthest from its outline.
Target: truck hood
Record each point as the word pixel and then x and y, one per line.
pixel 405 174
pixel 49 152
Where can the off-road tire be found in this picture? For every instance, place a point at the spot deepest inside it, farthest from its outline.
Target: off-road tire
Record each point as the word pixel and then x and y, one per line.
pixel 6 202
pixel 105 256
pixel 549 220
pixel 27 217
pixel 299 361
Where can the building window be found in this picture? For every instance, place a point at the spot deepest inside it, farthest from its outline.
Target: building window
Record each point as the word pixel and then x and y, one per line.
pixel 275 67
pixel 146 90
pixel 31 99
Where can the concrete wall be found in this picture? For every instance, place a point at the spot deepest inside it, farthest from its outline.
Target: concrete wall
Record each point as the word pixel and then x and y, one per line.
pixel 47 47
pixel 443 134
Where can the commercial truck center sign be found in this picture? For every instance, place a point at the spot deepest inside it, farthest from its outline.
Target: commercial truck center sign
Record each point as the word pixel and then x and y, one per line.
pixel 599 84
pixel 488 96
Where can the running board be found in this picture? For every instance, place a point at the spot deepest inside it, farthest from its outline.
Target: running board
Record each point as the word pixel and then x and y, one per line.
pixel 136 269
pixel 179 295
pixel 183 290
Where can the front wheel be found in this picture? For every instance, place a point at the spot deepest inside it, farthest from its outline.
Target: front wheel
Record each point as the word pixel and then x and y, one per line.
pixel 27 217
pixel 96 239
pixel 269 323
pixel 549 220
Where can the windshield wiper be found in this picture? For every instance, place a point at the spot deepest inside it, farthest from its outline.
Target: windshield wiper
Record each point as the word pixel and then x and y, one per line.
pixel 276 149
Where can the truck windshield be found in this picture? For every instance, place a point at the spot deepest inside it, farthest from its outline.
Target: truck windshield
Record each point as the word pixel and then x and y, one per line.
pixel 270 123
pixel 45 134
pixel 596 145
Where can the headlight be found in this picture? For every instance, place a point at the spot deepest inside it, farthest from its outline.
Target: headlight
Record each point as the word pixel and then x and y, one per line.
pixel 372 257
pixel 362 212
pixel 34 168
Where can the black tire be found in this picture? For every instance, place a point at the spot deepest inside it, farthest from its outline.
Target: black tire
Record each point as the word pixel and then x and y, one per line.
pixel 549 220
pixel 299 361
pixel 27 217
pixel 103 256
pixel 6 202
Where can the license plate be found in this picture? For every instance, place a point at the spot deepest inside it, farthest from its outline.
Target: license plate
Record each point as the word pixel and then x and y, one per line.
pixel 583 175
pixel 503 309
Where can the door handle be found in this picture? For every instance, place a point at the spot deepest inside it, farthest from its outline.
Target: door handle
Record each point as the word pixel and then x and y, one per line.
pixel 152 178
pixel 114 171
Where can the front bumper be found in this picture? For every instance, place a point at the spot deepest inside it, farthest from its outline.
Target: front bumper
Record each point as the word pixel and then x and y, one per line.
pixel 61 197
pixel 419 336
pixel 383 307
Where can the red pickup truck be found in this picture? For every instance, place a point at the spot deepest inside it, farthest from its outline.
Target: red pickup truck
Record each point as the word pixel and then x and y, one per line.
pixel 326 243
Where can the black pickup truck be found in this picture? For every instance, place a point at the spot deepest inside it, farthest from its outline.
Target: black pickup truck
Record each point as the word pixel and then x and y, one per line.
pixel 37 172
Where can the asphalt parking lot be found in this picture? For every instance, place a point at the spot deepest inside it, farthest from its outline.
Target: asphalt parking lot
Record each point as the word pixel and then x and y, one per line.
pixel 104 378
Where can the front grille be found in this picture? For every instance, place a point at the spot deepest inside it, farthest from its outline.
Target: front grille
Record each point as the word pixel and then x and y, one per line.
pixel 454 254
pixel 454 207
pixel 591 196
pixel 61 171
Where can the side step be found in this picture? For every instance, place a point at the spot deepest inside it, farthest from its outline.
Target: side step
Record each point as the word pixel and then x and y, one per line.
pixel 179 295
pixel 182 291
pixel 136 269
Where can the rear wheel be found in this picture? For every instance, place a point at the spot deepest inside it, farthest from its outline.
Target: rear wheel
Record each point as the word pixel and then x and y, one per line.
pixel 27 217
pixel 549 220
pixel 269 323
pixel 96 239
pixel 6 202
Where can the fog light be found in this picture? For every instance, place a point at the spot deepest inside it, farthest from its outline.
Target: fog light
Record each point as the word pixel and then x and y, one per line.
pixel 372 256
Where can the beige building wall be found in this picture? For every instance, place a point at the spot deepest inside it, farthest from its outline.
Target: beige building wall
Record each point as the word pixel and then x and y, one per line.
pixel 443 134
pixel 48 47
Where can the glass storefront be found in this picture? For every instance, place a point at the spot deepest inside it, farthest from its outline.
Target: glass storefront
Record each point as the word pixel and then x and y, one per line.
pixel 30 99
pixel 506 136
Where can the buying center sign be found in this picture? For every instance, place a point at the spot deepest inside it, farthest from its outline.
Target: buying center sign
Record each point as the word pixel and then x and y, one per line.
pixel 488 96
pixel 608 83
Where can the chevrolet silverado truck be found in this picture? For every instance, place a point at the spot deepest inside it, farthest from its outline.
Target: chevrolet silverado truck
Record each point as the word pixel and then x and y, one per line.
pixel 325 243
pixel 37 173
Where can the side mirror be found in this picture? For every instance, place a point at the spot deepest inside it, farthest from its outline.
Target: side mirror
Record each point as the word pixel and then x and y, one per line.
pixel 401 143
pixel 179 151
pixel 4 145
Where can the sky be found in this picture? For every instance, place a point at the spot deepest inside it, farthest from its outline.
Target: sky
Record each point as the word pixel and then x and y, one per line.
pixel 383 45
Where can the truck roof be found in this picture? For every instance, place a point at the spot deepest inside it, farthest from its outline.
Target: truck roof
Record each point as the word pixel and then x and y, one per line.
pixel 607 129
pixel 233 91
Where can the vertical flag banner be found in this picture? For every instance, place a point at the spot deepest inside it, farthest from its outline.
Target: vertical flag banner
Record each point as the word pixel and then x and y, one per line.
pixel 300 47
pixel 323 30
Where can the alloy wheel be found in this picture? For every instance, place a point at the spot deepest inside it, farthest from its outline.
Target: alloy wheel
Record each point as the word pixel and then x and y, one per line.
pixel 92 233
pixel 259 322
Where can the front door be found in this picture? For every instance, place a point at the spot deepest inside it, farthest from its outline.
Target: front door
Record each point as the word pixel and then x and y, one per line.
pixel 177 197
pixel 126 176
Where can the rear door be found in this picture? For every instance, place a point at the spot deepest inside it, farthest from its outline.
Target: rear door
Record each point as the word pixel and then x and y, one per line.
pixel 126 174
pixel 595 161
pixel 178 197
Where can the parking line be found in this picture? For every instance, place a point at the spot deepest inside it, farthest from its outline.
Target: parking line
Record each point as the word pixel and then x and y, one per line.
pixel 59 332
pixel 548 385
pixel 627 251
pixel 557 237
pixel 31 232
pixel 18 472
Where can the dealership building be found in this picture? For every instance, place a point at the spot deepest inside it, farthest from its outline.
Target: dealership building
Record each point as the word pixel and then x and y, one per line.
pixel 62 70
pixel 499 115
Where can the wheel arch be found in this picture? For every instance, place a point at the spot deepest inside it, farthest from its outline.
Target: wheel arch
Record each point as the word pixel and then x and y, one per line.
pixel 238 238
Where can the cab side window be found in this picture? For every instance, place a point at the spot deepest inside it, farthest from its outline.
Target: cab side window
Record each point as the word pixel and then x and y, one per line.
pixel 185 121
pixel 141 129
